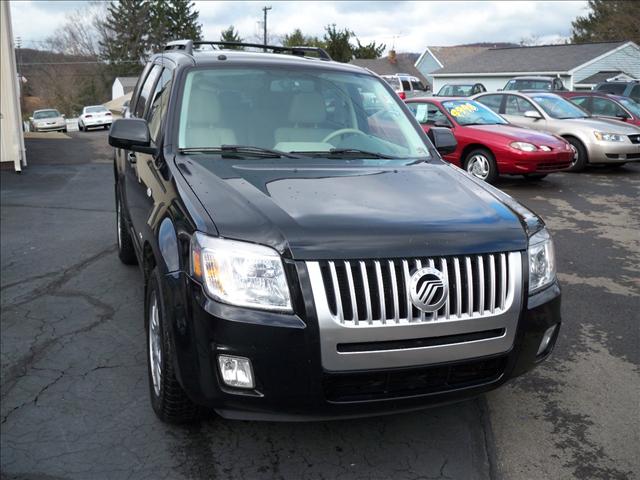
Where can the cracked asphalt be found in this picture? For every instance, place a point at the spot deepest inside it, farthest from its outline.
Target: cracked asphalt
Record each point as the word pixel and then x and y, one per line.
pixel 74 395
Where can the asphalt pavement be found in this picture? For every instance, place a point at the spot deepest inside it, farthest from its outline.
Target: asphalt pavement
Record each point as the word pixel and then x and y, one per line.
pixel 74 393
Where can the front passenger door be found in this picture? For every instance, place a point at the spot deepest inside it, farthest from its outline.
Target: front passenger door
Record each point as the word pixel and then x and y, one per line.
pixel 514 109
pixel 135 190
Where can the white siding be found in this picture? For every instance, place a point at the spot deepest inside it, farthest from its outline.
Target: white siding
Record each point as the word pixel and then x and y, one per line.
pixel 117 90
pixel 492 84
pixel 11 140
pixel 626 59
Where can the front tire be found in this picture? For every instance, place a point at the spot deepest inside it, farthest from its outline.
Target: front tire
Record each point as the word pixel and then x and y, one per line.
pixel 481 164
pixel 580 158
pixel 168 399
pixel 126 251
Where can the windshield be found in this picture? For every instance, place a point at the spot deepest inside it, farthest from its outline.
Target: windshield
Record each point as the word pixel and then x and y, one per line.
pixel 394 82
pixel 455 91
pixel 528 85
pixel 46 114
pixel 633 107
pixel 295 110
pixel 468 112
pixel 558 107
pixel 97 109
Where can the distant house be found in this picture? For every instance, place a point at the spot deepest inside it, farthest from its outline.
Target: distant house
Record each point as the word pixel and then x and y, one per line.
pixel 391 64
pixel 575 64
pixel 435 58
pixel 122 86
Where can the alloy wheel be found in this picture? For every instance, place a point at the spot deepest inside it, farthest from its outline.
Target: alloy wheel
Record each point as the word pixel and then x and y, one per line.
pixel 479 166
pixel 155 345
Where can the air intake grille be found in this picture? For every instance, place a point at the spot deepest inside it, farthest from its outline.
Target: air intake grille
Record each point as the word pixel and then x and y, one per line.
pixel 376 292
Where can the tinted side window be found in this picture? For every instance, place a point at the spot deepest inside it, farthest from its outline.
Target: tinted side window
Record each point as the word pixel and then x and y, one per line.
pixel 417 85
pixel 145 91
pixel 615 88
pixel 159 104
pixel 604 106
pixel 517 106
pixel 406 86
pixel 491 101
pixel 635 93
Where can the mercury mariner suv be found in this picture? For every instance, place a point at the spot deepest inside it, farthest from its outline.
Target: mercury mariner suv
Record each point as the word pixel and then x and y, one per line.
pixel 306 252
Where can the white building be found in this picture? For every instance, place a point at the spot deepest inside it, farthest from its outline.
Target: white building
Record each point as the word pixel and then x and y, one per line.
pixel 122 86
pixel 578 65
pixel 11 139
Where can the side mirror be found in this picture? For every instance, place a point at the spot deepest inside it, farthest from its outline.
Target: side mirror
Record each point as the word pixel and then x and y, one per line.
pixel 443 140
pixel 623 116
pixel 533 114
pixel 131 134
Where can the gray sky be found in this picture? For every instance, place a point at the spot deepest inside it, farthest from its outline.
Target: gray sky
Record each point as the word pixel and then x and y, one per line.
pixel 409 25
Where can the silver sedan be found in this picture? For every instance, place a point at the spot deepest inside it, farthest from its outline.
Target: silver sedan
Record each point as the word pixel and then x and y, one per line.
pixel 595 140
pixel 47 120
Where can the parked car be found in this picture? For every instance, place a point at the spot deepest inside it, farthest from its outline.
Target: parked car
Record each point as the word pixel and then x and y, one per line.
pixel 460 89
pixel 301 262
pixel 550 84
pixel 406 86
pixel 600 104
pixel 47 120
pixel 94 116
pixel 488 145
pixel 629 89
pixel 596 140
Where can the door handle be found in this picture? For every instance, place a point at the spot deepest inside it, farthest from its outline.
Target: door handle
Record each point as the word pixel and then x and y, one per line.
pixel 131 156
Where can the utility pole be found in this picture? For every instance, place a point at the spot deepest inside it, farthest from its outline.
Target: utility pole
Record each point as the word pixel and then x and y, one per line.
pixel 265 10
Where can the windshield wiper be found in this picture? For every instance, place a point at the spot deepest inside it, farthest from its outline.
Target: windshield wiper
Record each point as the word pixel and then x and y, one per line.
pixel 237 150
pixel 348 152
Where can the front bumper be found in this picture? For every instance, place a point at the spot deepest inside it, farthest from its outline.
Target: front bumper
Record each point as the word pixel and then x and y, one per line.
pixel 613 152
pixel 50 128
pixel 519 162
pixel 291 383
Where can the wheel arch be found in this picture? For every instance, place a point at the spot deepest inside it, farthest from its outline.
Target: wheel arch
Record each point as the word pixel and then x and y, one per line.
pixel 471 147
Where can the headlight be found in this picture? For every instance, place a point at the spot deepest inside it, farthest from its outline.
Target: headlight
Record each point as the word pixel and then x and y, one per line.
pixel 240 273
pixel 609 137
pixel 542 262
pixel 524 146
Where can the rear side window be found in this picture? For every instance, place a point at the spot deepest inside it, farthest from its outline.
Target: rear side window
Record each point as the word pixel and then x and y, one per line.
pixel 491 101
pixel 145 91
pixel 417 85
pixel 604 106
pixel 615 88
pixel 406 85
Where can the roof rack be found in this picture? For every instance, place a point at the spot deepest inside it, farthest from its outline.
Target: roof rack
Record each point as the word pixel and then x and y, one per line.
pixel 188 46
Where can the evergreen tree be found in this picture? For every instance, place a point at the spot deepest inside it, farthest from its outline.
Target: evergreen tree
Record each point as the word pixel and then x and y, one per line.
pixel 298 39
pixel 337 43
pixel 231 35
pixel 124 43
pixel 370 50
pixel 607 21
pixel 174 20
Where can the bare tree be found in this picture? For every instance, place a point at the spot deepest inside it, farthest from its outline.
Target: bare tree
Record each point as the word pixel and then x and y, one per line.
pixel 81 32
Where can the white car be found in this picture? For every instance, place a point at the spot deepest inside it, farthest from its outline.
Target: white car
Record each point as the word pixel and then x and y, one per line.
pixel 47 120
pixel 94 116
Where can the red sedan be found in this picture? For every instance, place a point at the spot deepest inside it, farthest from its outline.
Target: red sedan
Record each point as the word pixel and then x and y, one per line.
pixel 488 145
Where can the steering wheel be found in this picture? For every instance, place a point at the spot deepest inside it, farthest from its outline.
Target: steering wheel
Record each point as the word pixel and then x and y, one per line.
pixel 342 131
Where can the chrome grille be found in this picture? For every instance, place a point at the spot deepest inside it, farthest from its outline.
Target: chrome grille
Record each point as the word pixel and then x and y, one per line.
pixel 365 293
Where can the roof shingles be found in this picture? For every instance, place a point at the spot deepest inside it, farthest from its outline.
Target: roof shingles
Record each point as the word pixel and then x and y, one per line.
pixel 544 58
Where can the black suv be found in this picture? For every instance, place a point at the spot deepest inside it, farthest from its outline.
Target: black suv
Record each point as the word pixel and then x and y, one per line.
pixel 307 253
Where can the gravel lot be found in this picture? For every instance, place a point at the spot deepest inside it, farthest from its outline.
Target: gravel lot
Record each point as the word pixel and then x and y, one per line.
pixel 74 387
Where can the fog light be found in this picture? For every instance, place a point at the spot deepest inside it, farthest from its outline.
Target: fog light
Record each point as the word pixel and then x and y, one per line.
pixel 236 371
pixel 546 339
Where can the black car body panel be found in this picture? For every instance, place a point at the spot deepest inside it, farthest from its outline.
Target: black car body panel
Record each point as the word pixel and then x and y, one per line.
pixel 313 209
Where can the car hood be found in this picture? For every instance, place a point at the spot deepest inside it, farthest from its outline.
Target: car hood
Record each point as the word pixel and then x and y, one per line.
pixel 600 124
pixel 514 133
pixel 344 209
